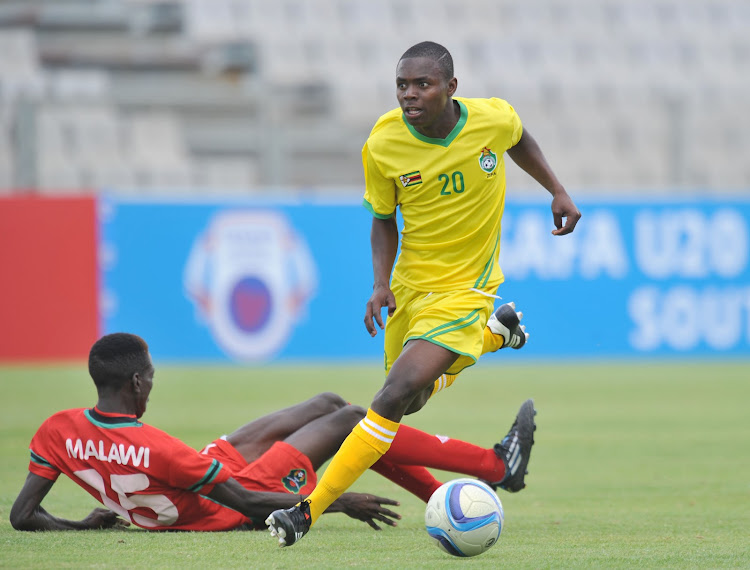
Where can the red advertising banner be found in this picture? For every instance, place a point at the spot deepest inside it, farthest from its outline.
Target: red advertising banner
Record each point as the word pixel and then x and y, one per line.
pixel 48 278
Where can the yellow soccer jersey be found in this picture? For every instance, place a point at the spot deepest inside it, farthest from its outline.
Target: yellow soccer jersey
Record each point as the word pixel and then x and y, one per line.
pixel 451 193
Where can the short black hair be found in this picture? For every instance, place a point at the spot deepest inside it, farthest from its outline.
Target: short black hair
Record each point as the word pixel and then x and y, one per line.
pixel 435 52
pixel 115 358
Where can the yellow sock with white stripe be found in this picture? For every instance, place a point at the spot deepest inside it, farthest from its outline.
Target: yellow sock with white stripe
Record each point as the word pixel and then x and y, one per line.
pixel 367 443
pixel 442 383
pixel 492 341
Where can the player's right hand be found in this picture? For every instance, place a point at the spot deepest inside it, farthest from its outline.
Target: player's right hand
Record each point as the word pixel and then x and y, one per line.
pixel 369 508
pixel 104 518
pixel 382 296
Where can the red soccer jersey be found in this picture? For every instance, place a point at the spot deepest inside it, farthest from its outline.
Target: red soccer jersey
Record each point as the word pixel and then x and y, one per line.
pixel 143 474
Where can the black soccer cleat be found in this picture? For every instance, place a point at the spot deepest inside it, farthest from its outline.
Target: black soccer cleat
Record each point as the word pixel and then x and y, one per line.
pixel 515 449
pixel 506 321
pixel 290 525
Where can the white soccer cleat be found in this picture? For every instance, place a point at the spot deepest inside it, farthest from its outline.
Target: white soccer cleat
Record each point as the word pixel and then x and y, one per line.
pixel 506 321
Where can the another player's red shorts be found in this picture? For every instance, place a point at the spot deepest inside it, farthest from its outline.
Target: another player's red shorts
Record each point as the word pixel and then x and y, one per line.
pixel 282 468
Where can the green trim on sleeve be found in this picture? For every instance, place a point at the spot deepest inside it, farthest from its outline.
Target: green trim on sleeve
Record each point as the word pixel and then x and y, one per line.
pixel 210 475
pixel 39 460
pixel 370 209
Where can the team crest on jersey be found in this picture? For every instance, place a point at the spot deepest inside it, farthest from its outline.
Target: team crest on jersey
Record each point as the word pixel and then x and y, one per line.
pixel 487 160
pixel 411 179
pixel 294 482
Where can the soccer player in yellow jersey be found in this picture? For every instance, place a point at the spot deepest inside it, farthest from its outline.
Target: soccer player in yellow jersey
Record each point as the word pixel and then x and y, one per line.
pixel 438 158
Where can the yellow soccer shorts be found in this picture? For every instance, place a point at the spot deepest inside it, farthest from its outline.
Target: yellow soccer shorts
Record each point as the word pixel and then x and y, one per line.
pixel 454 320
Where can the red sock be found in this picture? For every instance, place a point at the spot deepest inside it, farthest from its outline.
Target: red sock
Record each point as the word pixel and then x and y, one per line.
pixel 414 447
pixel 413 478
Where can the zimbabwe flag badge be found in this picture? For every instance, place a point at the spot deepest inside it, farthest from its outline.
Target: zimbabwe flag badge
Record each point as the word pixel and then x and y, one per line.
pixel 411 179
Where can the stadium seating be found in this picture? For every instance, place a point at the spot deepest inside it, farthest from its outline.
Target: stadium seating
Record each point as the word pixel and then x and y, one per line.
pixel 225 95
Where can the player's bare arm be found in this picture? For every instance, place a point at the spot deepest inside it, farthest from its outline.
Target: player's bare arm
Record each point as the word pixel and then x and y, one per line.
pixel 27 512
pixel 528 155
pixel 384 244
pixel 257 504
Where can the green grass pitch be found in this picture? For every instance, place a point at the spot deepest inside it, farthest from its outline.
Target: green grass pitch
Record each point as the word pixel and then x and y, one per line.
pixel 641 465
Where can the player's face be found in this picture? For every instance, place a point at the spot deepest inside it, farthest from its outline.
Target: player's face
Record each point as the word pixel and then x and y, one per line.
pixel 424 96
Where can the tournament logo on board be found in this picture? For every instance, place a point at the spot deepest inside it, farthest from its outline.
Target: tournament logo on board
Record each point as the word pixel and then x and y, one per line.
pixel 294 482
pixel 250 276
pixel 487 160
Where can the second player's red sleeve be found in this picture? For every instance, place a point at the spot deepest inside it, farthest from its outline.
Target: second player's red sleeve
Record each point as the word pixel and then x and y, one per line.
pixel 185 468
pixel 39 463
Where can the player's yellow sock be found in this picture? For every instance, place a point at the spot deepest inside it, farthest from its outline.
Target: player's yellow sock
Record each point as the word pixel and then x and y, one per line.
pixel 443 382
pixel 367 443
pixel 492 341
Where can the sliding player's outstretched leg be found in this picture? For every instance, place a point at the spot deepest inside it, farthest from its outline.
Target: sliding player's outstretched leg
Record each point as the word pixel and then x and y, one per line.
pixel 515 449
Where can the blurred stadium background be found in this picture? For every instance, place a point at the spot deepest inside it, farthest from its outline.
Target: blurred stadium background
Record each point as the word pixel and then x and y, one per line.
pixel 240 95
pixel 108 106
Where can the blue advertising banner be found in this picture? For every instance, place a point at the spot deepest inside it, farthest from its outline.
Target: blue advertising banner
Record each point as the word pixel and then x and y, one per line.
pixel 249 281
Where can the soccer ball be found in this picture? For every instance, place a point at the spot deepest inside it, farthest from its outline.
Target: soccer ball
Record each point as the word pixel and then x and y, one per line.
pixel 464 517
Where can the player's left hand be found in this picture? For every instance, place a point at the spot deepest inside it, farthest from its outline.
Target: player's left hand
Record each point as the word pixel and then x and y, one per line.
pixel 104 518
pixel 369 508
pixel 563 207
